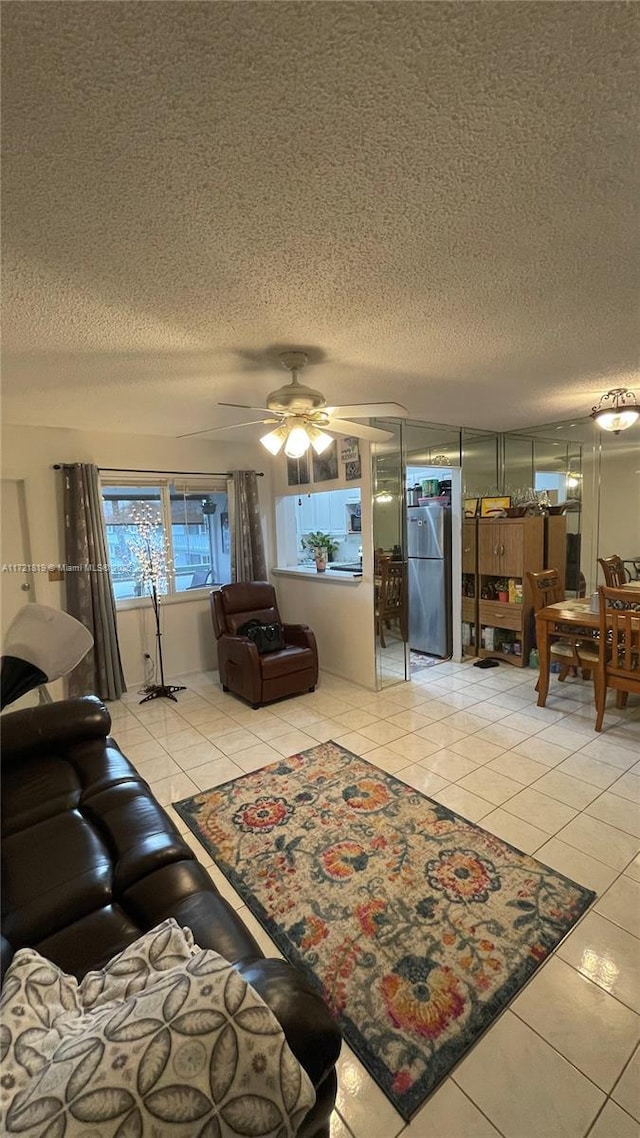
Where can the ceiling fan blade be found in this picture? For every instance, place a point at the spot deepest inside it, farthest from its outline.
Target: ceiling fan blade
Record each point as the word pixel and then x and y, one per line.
pixel 357 430
pixel 245 407
pixel 229 427
pixel 370 411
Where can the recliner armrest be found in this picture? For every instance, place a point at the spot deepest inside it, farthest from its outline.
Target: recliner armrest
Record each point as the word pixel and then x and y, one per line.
pixel 299 635
pixel 238 648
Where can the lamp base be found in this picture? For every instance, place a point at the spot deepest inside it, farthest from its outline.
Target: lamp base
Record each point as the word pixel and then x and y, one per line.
pixel 158 691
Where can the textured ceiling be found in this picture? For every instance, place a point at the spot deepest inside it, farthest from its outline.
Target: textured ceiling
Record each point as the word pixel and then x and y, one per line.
pixel 439 199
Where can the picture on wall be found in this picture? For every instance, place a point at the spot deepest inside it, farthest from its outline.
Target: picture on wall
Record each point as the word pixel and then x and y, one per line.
pixel 325 465
pixel 349 449
pixel 352 471
pixel 298 471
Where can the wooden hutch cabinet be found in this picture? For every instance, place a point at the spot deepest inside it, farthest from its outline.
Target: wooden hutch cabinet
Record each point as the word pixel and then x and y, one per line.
pixel 496 604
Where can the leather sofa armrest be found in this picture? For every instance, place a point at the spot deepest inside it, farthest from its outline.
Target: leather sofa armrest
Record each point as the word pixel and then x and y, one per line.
pixel 51 724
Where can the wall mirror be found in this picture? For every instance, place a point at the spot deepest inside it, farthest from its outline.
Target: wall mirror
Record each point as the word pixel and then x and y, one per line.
pixel 416 512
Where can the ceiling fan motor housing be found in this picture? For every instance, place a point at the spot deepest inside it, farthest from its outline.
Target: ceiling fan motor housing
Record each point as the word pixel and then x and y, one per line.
pixel 295 397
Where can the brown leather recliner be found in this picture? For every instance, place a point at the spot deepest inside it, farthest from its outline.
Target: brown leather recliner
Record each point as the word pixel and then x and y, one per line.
pixel 260 679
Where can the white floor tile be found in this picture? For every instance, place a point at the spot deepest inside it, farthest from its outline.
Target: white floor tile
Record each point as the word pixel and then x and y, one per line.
pixel 577 1027
pixel 449 1112
pixel 517 767
pixel 541 751
pixel 621 904
pixel 614 1123
pixel 562 1006
pixel 628 786
pixel 627 1090
pixel 160 767
pixel 514 830
pixel 174 788
pixel 553 1101
pixel 589 770
pixel 563 787
pixel 196 754
pixel 215 773
pixel 426 781
pixel 617 812
pixel 544 812
pixel 413 747
pixel 463 802
pixel 361 1103
pixel 610 752
pixel 633 869
pixel 496 788
pixel 504 737
pixel 576 865
pixel 607 955
pixel 446 763
pixel 604 842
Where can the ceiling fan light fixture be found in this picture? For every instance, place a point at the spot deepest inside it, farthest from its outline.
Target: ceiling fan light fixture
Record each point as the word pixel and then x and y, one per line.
pixel 298 442
pixel 616 411
pixel 274 440
pixel 320 440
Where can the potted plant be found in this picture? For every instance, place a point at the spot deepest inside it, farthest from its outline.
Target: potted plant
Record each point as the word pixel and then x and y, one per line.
pixel 502 589
pixel 321 546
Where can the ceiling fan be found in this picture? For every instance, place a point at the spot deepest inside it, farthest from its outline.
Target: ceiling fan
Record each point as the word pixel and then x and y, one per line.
pixel 302 418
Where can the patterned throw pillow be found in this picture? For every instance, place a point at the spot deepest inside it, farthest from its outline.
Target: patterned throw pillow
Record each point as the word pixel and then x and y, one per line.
pixel 195 1051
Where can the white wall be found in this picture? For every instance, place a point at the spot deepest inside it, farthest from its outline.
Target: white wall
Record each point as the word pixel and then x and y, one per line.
pixel 29 453
pixel 611 505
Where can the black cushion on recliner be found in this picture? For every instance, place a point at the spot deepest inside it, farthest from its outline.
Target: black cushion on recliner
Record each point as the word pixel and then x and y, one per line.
pixel 90 860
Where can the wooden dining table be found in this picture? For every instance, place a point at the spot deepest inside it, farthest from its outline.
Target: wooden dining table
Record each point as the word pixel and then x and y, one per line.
pixel 567 617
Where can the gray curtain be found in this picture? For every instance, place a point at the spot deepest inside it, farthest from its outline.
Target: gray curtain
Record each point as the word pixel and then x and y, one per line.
pixel 89 590
pixel 247 547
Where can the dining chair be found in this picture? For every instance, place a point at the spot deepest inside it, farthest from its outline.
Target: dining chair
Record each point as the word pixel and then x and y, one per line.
pixel 615 574
pixel 570 652
pixel 619 658
pixel 391 597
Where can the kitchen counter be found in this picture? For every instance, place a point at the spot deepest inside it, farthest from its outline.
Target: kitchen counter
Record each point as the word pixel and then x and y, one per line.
pixel 310 572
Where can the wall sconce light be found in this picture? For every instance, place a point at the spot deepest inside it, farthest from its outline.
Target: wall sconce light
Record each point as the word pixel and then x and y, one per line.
pixel 616 411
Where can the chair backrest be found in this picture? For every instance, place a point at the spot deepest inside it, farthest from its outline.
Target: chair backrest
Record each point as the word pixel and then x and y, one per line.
pixel 546 588
pixel 614 571
pixel 391 587
pixel 233 605
pixel 620 634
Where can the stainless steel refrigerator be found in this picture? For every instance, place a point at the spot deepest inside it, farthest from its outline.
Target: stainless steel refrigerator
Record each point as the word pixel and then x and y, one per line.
pixel 429 560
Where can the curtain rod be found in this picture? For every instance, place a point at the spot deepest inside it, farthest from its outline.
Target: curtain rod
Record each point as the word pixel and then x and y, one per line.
pixel 190 473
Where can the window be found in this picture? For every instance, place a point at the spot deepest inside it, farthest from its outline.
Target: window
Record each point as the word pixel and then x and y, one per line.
pixel 186 526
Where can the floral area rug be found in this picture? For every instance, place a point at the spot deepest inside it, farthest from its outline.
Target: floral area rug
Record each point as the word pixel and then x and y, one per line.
pixel 417 926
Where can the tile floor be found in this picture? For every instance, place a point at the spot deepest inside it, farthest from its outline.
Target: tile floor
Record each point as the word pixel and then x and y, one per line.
pixel 563 1060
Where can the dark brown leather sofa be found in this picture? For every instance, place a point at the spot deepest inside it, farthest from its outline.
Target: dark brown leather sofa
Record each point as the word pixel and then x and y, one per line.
pixel 260 679
pixel 90 860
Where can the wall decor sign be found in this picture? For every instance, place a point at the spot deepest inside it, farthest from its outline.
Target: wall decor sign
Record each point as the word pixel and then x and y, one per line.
pixel 349 449
pixel 352 471
pixel 471 507
pixel 494 507
pixel 325 465
pixel 298 471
